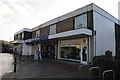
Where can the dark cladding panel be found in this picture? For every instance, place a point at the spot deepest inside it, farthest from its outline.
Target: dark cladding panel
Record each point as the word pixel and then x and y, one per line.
pixel 20 36
pixel 117 35
pixel 33 34
pixel 27 35
pixel 15 37
pixel 65 25
pixel 90 20
pixel 44 31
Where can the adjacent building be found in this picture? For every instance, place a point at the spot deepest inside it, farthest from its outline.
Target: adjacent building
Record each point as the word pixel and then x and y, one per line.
pixel 78 36
pixel 20 46
pixel 5 47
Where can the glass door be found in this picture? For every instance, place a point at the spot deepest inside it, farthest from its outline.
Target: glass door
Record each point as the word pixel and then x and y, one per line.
pixel 84 52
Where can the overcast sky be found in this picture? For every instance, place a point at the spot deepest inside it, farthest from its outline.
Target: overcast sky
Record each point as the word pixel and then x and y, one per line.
pixel 18 14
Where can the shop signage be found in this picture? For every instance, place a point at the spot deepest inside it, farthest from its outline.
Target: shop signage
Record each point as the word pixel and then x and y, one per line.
pixel 29 40
pixel 38 38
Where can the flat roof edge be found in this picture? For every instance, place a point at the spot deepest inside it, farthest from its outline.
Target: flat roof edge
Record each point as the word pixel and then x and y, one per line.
pixel 66 16
pixel 76 12
pixel 24 29
pixel 105 13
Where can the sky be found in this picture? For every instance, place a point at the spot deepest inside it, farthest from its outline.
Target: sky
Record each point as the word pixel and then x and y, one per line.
pixel 18 14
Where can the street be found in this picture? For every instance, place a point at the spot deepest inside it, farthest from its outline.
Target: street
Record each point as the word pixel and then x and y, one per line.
pixel 47 68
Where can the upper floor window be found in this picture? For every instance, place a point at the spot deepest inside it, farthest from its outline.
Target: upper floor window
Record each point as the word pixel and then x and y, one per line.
pixel 22 35
pixel 81 21
pixel 53 29
pixel 18 36
pixel 37 33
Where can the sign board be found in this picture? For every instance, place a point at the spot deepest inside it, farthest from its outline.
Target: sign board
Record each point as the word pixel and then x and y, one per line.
pixel 37 38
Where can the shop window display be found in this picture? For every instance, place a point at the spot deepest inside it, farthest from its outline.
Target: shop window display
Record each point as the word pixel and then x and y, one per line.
pixel 70 52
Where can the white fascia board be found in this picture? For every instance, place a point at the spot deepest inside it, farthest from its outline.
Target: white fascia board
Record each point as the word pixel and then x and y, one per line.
pixel 105 14
pixel 36 28
pixel 53 21
pixel 76 12
pixel 24 29
pixel 71 33
pixel 66 16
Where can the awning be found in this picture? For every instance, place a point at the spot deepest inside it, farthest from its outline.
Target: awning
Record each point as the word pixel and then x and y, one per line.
pixel 17 42
pixel 81 31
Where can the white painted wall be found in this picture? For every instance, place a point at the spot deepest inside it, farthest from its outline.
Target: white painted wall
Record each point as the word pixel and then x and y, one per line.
pixel 105 34
pixel 26 49
pixel 119 10
pixel 30 52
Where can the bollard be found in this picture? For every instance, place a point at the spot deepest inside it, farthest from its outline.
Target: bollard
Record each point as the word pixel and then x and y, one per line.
pixel 108 71
pixel 15 64
pixel 92 68
pixel 81 66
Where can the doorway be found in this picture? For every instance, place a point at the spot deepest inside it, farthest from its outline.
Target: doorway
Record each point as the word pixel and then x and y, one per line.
pixel 48 49
pixel 84 54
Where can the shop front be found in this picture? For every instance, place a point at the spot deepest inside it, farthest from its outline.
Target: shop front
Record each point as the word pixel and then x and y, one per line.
pixel 48 49
pixel 75 50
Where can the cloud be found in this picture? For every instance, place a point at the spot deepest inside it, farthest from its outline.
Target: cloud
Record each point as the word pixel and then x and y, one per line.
pixel 21 9
pixel 5 12
pixel 14 9
pixel 13 14
pixel 18 14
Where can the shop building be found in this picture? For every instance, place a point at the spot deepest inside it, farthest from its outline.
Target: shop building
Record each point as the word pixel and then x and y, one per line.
pixel 20 47
pixel 77 36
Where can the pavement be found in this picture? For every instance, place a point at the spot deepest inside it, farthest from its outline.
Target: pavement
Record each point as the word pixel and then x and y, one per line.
pixel 47 68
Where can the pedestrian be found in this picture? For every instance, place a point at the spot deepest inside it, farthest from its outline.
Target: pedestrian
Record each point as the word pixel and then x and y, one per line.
pixel 38 55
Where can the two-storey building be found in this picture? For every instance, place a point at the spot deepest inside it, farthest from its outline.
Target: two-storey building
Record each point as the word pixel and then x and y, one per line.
pixel 20 46
pixel 78 36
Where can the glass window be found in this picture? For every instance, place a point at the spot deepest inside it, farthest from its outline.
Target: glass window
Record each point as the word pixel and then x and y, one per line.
pixel 53 29
pixel 81 21
pixel 70 52
pixel 37 33
pixel 22 35
pixel 18 36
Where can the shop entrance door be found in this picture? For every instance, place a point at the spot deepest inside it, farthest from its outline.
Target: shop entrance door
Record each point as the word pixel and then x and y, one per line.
pixel 48 50
pixel 84 53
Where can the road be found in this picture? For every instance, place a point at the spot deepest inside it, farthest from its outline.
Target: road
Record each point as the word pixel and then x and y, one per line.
pixel 6 63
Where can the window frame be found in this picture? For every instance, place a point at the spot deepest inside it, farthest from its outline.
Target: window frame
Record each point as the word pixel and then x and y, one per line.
pixel 51 31
pixel 37 33
pixel 19 36
pixel 22 35
pixel 83 20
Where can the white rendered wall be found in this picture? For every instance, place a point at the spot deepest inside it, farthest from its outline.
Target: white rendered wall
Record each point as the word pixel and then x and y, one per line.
pixel 30 52
pixel 26 49
pixel 119 10
pixel 105 34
